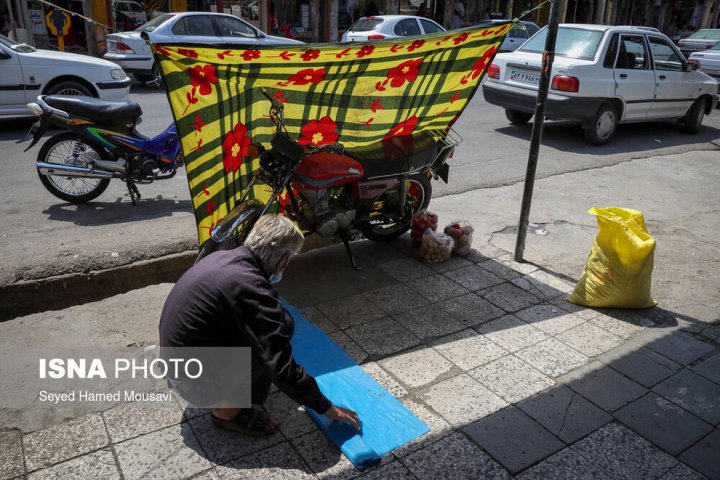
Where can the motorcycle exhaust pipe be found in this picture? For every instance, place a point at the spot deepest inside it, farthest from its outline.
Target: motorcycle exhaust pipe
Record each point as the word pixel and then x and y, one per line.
pixel 72 171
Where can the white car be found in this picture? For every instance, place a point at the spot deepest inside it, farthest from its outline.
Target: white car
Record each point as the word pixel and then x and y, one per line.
pixel 380 27
pixel 700 40
pixel 26 72
pixel 603 76
pixel 517 35
pixel 132 53
pixel 708 61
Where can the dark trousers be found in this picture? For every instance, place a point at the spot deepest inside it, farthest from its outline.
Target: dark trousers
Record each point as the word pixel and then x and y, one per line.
pixel 261 383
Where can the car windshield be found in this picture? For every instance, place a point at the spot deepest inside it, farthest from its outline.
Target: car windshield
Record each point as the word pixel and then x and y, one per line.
pixel 366 24
pixel 18 47
pixel 707 34
pixel 571 42
pixel 154 23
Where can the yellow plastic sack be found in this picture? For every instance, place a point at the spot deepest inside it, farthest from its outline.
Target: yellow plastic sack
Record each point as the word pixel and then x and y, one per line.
pixel 618 271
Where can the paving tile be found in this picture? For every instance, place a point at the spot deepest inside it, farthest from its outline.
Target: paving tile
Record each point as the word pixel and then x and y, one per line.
pixel 131 419
pixel 640 364
pixel 418 367
pixel 63 441
pixel 682 472
pixel 623 328
pixel 694 393
pixel 709 368
pixel 453 457
pixel 513 438
pixel 581 311
pixel 549 318
pixel 543 285
pixel 663 423
pixel 100 464
pixel 474 277
pixel 436 288
pixel 564 413
pixel 461 400
pixel 590 339
pixel 703 456
pixel 567 464
pixel 511 333
pixel 429 322
pixel 507 259
pixel 292 417
pixel 383 337
pixel 384 379
pixel 11 455
pixel 439 428
pixel 207 475
pixel 603 386
pixel 511 378
pixel 500 269
pixel 323 457
pixel 552 357
pixel 453 263
pixel 623 454
pixel 678 346
pixel 171 453
pixel 348 344
pixel 279 462
pixel 468 349
pixel 471 309
pixel 406 269
pixel 350 311
pixel 509 297
pixel 222 446
pixel 393 470
pixel 317 318
pixel 396 299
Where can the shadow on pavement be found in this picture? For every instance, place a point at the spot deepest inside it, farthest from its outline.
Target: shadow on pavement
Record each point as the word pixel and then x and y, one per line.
pixel 121 211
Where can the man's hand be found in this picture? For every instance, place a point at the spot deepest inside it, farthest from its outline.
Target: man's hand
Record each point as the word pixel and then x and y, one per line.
pixel 344 415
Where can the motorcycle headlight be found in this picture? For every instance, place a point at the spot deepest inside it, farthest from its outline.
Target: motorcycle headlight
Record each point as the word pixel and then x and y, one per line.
pixel 118 73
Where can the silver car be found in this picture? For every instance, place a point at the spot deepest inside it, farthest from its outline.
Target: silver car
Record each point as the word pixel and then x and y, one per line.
pixel 130 51
pixel 379 27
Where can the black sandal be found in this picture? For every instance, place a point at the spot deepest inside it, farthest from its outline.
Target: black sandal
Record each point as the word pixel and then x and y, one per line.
pixel 250 421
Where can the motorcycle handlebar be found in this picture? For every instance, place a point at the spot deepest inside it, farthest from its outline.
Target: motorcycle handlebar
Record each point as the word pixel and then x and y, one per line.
pixel 276 104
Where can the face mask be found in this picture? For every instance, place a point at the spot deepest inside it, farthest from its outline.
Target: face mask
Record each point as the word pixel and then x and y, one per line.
pixel 276 277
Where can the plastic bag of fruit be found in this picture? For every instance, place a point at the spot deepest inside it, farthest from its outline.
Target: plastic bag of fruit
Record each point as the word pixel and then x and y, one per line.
pixel 420 222
pixel 461 232
pixel 435 247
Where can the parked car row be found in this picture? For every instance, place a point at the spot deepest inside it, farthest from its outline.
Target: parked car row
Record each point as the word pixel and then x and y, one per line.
pixel 708 61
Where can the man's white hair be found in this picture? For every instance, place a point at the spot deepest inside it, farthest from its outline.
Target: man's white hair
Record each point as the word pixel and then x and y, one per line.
pixel 272 237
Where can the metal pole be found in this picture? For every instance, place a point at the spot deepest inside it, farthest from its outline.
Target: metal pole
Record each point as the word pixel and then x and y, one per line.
pixel 538 122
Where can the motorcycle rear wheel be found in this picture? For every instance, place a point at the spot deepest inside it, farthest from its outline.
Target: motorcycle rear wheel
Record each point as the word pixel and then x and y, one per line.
pixel 67 149
pixel 233 229
pixel 419 192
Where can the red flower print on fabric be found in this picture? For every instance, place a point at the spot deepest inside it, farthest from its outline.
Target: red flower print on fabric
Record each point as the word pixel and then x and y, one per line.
pixel 235 147
pixel 481 63
pixel 248 55
pixel 415 45
pixel 308 75
pixel 405 72
pixel 310 54
pixel 204 78
pixel 199 123
pixel 365 51
pixel 163 50
pixel 320 132
pixel 187 53
pixel 403 128
pixel 461 38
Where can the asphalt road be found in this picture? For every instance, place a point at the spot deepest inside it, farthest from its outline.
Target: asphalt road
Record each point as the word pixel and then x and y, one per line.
pixel 42 236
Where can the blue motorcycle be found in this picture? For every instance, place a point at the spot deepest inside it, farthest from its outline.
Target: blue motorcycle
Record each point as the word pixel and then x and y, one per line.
pixel 100 142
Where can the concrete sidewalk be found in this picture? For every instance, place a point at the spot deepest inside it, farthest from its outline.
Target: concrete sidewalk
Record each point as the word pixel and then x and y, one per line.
pixel 512 380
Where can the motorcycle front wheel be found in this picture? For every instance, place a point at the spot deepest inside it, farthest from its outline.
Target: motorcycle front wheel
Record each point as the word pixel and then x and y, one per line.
pixel 232 230
pixel 385 222
pixel 67 149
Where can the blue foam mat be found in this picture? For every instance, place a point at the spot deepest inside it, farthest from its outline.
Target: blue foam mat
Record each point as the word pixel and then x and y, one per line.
pixel 386 423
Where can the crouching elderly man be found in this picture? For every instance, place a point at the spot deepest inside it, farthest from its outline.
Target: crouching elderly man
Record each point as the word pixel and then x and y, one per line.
pixel 228 300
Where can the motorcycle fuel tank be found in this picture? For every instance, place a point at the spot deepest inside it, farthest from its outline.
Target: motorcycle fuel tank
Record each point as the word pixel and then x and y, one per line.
pixel 324 170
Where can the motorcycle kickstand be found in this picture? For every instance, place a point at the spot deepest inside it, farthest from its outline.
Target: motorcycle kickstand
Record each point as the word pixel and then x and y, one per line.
pixel 133 192
pixel 346 240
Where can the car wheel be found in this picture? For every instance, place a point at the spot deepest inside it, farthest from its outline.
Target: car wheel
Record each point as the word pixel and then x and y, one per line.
pixel 516 117
pixel 603 125
pixel 70 88
pixel 694 117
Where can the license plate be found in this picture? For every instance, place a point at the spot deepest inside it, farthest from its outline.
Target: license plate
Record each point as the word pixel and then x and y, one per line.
pixel 523 76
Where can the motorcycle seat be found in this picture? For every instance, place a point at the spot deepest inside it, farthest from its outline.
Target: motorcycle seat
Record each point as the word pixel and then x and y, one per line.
pixel 94 108
pixel 396 155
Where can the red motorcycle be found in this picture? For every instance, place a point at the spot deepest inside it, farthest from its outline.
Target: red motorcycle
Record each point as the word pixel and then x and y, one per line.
pixel 332 191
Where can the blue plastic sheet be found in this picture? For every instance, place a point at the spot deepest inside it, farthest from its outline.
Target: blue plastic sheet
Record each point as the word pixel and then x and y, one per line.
pixel 386 423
